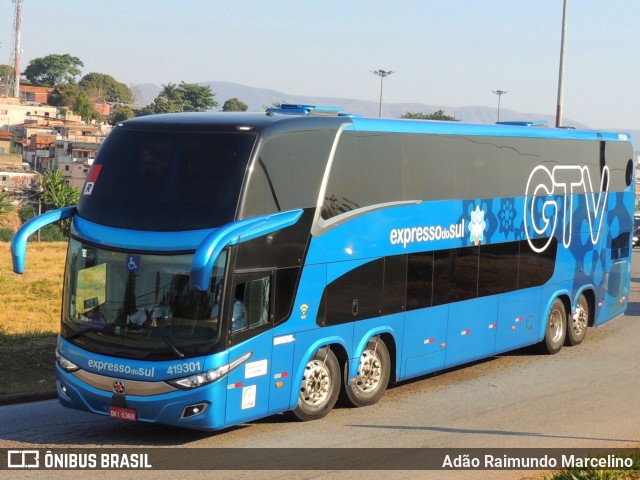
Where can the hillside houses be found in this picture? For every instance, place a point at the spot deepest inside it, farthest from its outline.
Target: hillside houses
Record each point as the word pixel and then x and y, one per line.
pixel 35 137
pixel 14 178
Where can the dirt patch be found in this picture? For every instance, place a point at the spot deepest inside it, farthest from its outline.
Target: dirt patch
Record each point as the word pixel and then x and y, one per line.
pixel 28 369
pixel 12 221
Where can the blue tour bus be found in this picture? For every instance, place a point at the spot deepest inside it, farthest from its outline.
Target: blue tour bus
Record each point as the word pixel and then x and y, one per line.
pixel 225 267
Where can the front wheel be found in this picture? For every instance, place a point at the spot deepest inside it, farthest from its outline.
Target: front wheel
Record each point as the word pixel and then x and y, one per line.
pixel 373 376
pixel 319 387
pixel 556 328
pixel 578 322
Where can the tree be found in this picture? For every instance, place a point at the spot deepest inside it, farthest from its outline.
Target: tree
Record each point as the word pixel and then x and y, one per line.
pixel 234 105
pixel 56 192
pixel 186 97
pixel 5 71
pixel 84 108
pixel 105 87
pixel 197 98
pixel 64 95
pixel 53 69
pixel 5 205
pixel 120 114
pixel 168 100
pixel 49 233
pixel 439 115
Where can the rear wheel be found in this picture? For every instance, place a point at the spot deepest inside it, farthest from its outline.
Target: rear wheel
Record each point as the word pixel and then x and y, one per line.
pixel 319 387
pixel 578 322
pixel 556 328
pixel 373 376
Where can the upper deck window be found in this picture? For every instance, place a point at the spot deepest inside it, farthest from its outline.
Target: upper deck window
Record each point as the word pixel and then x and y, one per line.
pixel 166 181
pixel 288 172
pixel 376 168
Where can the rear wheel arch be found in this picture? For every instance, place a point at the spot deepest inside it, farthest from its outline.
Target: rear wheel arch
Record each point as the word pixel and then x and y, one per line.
pixel 591 300
pixel 390 342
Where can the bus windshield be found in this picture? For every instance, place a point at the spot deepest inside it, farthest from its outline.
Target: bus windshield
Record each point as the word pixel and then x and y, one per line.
pixel 142 302
pixel 166 180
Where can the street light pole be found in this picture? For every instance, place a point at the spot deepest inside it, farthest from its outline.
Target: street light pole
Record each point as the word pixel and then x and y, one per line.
pixel 499 93
pixel 561 74
pixel 381 73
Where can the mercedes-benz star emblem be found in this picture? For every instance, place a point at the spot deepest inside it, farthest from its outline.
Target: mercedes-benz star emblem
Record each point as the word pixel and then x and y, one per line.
pixel 118 387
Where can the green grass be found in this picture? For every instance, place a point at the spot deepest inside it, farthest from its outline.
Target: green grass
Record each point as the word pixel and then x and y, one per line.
pixel 30 303
pixel 594 474
pixel 7 338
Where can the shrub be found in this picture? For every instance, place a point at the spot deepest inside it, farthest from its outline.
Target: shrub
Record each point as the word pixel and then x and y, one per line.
pixel 6 234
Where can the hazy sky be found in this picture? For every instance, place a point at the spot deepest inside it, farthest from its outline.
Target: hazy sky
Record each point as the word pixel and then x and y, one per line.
pixel 444 52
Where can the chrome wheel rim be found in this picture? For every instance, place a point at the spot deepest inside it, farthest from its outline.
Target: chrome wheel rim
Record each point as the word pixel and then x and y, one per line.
pixel 316 383
pixel 556 326
pixel 369 371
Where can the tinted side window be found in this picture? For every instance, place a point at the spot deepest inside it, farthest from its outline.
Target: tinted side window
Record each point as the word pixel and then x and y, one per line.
pixel 536 268
pixel 419 280
pixel 498 272
pixel 620 246
pixel 288 172
pixel 251 304
pixel 455 275
pixel 372 168
pixel 286 280
pixel 395 284
pixel 365 172
pixel 356 295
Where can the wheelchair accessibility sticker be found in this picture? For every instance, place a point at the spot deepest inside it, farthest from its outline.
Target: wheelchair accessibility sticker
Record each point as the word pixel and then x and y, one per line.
pixel 133 263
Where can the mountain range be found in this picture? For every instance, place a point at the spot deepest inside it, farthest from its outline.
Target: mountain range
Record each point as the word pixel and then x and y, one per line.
pixel 257 99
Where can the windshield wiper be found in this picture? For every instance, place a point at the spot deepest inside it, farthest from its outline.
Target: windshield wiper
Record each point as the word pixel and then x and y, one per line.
pixel 84 331
pixel 168 341
pixel 157 330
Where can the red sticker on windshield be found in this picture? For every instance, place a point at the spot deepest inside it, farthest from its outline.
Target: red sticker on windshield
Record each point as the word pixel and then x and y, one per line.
pixel 93 173
pixel 91 179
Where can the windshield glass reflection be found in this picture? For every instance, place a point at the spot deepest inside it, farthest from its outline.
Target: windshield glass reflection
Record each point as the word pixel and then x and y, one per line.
pixel 138 305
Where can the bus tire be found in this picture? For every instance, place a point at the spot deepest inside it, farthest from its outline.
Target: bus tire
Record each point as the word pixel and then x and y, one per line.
pixel 319 387
pixel 578 322
pixel 555 329
pixel 373 376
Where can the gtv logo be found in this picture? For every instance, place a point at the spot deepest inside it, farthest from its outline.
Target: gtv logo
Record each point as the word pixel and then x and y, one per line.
pixel 566 181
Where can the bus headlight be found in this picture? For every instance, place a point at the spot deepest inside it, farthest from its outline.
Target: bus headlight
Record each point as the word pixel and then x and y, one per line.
pixel 65 364
pixel 210 376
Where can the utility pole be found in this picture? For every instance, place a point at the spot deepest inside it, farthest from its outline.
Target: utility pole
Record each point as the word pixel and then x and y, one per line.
pixel 499 93
pixel 561 74
pixel 382 74
pixel 13 80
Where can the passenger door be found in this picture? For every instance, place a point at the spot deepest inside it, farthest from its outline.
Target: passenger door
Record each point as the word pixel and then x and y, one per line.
pixel 250 313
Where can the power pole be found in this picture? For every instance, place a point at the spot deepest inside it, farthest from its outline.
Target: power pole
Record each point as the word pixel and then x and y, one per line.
pixel 561 74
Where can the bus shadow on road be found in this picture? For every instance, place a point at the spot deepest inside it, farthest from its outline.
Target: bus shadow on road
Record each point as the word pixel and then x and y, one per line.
pixel 507 433
pixel 114 433
pixel 633 310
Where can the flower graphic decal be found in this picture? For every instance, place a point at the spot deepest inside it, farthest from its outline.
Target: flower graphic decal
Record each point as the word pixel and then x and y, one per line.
pixel 477 226
pixel 507 217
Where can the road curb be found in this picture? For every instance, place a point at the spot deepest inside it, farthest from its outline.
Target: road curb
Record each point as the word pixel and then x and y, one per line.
pixel 27 397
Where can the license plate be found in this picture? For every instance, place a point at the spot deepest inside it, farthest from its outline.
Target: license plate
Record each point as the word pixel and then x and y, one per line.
pixel 120 413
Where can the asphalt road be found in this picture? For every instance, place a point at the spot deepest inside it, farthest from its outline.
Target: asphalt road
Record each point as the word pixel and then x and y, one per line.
pixel 585 396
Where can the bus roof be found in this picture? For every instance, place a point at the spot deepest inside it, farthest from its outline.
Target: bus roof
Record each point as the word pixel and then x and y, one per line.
pixel 458 128
pixel 298 115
